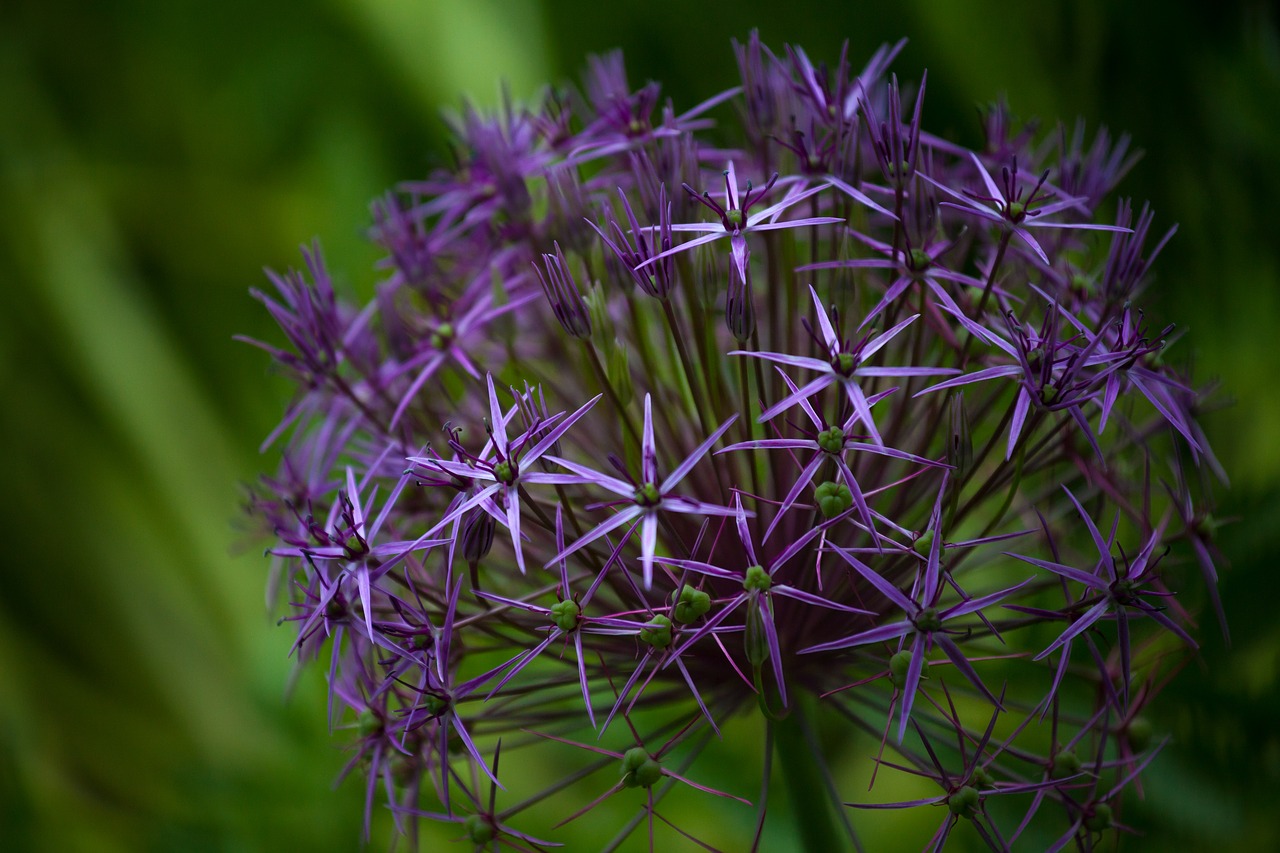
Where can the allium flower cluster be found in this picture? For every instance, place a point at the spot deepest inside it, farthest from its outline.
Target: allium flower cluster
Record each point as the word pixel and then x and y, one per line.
pixel 776 407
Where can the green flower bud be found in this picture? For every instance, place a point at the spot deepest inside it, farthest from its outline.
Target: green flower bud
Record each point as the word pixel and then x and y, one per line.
pixel 844 363
pixel 832 498
pixel 981 779
pixel 690 604
pixel 479 829
pixel 1099 818
pixel 639 769
pixel 923 542
pixel 898 666
pixel 831 440
pixel 1016 211
pixel 757 580
pixel 565 614
pixel 1139 733
pixel 734 217
pixel 964 802
pixel 1064 764
pixel 657 632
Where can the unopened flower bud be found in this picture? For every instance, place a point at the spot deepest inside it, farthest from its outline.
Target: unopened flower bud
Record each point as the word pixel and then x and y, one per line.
pixel 1064 764
pixel 981 779
pixel 657 632
pixel 690 604
pixel 640 769
pixel 964 802
pixel 1099 818
pixel 1139 733
pixel 898 666
pixel 832 498
pixel 923 543
pixel 562 293
pixel 479 829
pixel 476 535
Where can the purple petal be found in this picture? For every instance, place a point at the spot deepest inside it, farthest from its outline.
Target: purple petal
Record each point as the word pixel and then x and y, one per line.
pixel 875 635
pixel 884 337
pixel 803 393
pixel 886 589
pixel 648 542
pixel 687 465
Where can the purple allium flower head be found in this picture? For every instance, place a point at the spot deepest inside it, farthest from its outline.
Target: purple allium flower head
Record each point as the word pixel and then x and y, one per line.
pixel 606 542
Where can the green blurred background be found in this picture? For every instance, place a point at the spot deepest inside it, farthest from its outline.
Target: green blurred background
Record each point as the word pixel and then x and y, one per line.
pixel 156 154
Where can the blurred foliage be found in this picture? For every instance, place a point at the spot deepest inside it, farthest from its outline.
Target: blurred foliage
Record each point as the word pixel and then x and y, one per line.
pixel 154 155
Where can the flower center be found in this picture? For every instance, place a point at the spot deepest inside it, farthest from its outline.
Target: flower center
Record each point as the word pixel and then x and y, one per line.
pixel 506 472
pixel 757 580
pixel 1124 590
pixel 928 620
pixel 831 440
pixel 436 705
pixel 565 614
pixel 648 495
pixel 442 336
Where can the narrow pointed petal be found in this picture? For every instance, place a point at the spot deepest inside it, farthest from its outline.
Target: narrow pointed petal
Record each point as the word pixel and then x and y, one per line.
pixel 687 465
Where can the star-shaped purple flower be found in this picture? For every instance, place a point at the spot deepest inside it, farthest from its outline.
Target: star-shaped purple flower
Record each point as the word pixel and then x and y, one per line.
pixel 844 365
pixel 736 218
pixel 644 500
